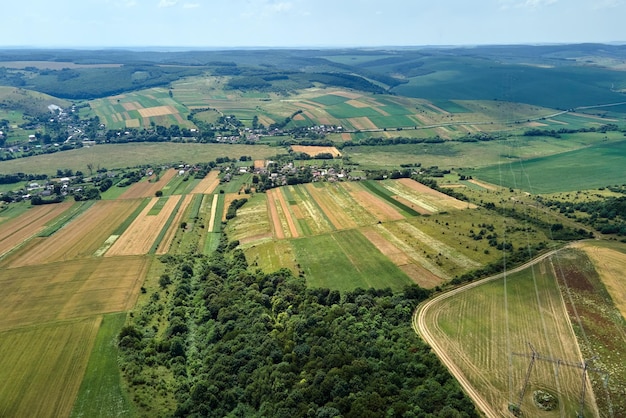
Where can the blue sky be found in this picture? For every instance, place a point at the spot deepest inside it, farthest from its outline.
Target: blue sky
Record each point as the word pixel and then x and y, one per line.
pixel 306 23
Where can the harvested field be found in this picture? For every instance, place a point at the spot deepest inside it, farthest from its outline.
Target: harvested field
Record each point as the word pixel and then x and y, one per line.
pixel 80 238
pixel 259 163
pixel 146 188
pixel 252 223
pixel 293 230
pixel 166 242
pixel 213 213
pixel 357 104
pixel 141 234
pixel 425 197
pixel 377 207
pixel 228 199
pixel 423 277
pixel 157 111
pixel 131 106
pixel 69 289
pixel 133 123
pixel 18 230
pixel 208 184
pixel 43 367
pixel 315 150
pixel 362 123
pixel 478 329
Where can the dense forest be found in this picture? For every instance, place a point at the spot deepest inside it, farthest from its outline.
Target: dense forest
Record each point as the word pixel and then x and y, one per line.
pixel 220 340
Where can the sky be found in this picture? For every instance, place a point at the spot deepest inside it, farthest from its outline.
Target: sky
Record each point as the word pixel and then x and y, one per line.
pixel 307 23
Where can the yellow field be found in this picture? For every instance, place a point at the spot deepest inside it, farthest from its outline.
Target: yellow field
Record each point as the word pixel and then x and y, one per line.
pixel 38 294
pixel 42 367
pixel 315 150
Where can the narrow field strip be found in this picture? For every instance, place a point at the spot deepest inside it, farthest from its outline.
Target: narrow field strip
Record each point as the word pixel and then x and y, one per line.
pixel 208 184
pixel 173 225
pixel 16 231
pixel 146 188
pixel 312 213
pixel 213 213
pixel 274 217
pixel 338 217
pixel 437 197
pixel 141 234
pixel 293 230
pixel 376 206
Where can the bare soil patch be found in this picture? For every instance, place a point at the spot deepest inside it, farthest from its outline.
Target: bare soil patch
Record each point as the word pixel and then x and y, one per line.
pixel 259 163
pixel 208 183
pixel 146 188
pixel 16 231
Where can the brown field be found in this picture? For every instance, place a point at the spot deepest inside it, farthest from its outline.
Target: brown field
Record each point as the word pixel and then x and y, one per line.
pixel 422 209
pixel 145 188
pixel 71 289
pixel 208 183
pixel 18 230
pixel 299 117
pixel 140 235
pixel 338 216
pixel 380 209
pixel 357 104
pixel 277 228
pixel 80 238
pixel 259 163
pixel 314 150
pixel 166 243
pixel 157 111
pixel 423 277
pixel 131 106
pixel 43 367
pixel 293 230
pixel 611 265
pixel 228 199
pixel 362 122
pixel 346 137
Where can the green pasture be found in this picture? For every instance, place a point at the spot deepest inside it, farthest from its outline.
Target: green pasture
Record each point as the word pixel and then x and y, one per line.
pixel 587 168
pixel 330 99
pixel 156 208
pixel 346 111
pixel 114 192
pixel 236 183
pixel 346 260
pixel 252 219
pixel 450 106
pixel 270 256
pixel 101 393
pixel 113 156
pixel 13 210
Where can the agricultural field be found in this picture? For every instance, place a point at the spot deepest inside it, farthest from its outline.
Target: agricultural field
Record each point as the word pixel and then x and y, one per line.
pixel 141 109
pixel 604 166
pixel 314 151
pixel 484 333
pixel 80 238
pixel 121 156
pixel 43 367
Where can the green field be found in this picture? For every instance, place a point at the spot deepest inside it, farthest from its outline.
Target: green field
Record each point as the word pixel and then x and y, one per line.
pixel 131 155
pixel 346 260
pixel 588 168
pixel 101 393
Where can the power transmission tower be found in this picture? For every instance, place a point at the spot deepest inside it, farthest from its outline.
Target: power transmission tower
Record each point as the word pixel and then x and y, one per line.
pixel 584 366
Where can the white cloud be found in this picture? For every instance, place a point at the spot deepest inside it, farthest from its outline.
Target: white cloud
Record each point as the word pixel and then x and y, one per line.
pixel 167 3
pixel 525 4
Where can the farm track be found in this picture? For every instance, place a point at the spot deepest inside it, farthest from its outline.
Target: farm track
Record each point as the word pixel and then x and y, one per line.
pixel 16 231
pixel 420 325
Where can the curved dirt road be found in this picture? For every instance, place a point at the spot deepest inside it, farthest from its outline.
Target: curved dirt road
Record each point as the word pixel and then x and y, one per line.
pixel 421 327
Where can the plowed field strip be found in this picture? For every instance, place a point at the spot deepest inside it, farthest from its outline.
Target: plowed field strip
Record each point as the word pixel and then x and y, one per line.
pixel 377 207
pixel 81 237
pixel 417 273
pixel 140 235
pixel 290 222
pixel 208 184
pixel 146 189
pixel 277 227
pixel 333 212
pixel 18 230
pixel 165 244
